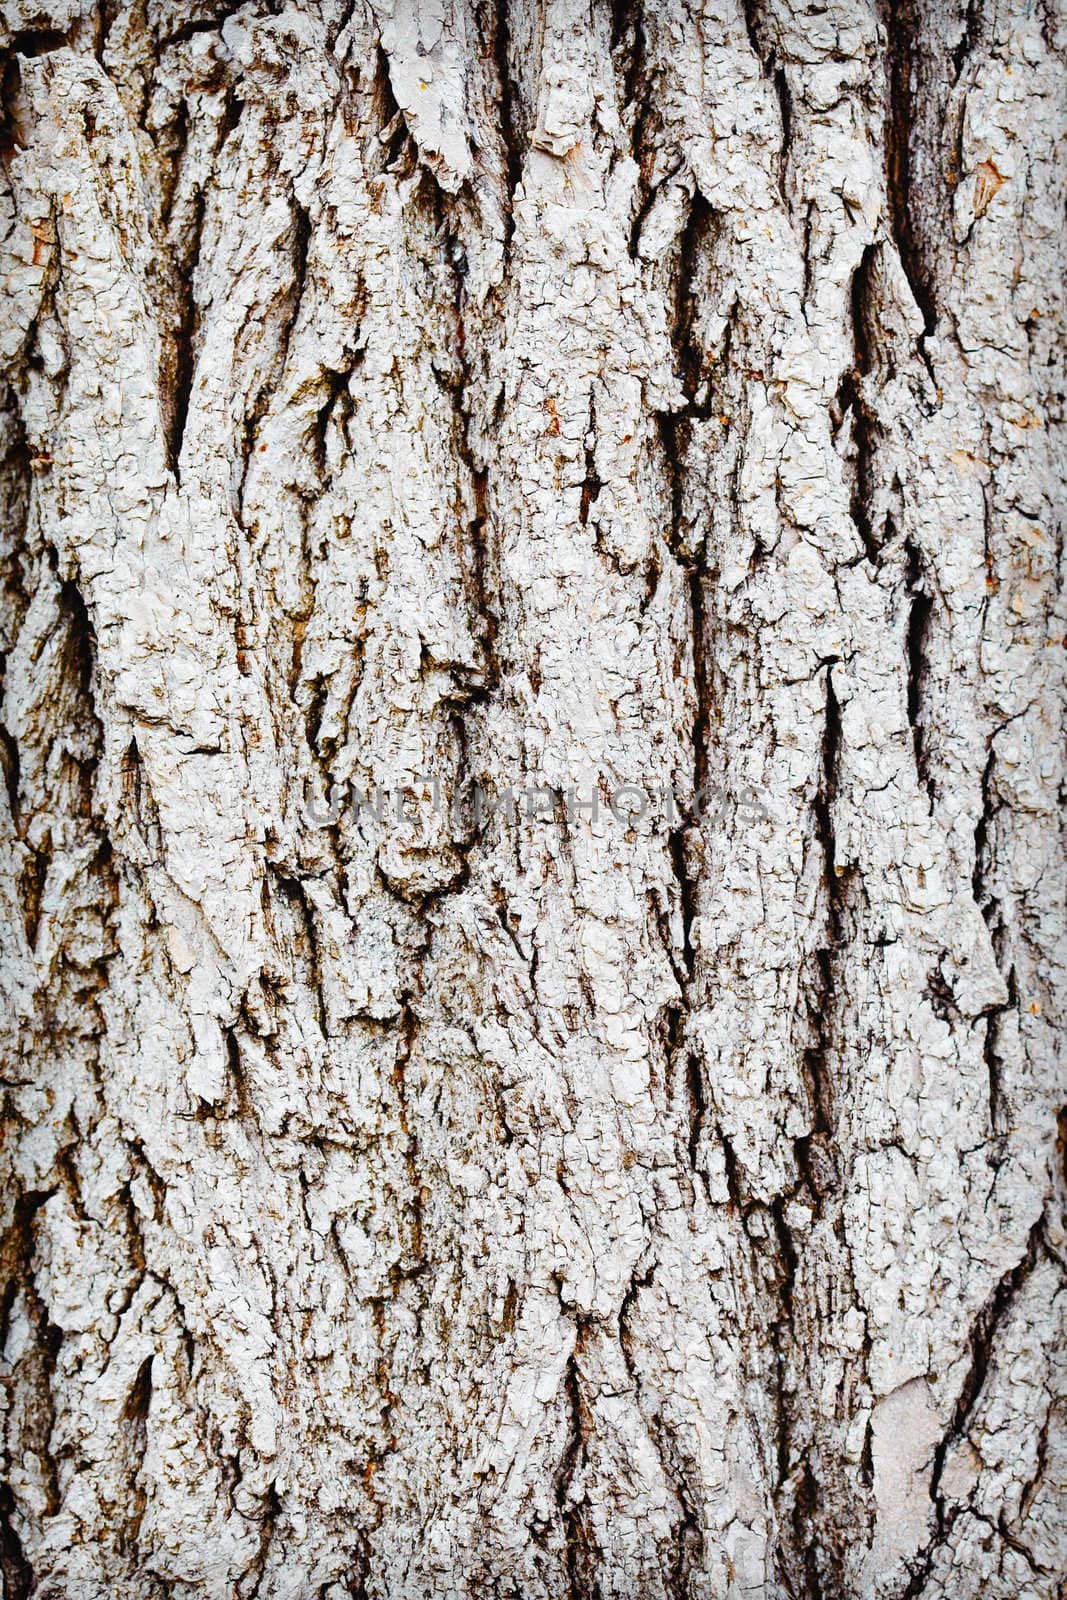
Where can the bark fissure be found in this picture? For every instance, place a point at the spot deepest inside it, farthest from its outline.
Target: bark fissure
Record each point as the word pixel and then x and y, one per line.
pixel 920 615
pixel 184 362
pixel 982 1344
pixel 901 21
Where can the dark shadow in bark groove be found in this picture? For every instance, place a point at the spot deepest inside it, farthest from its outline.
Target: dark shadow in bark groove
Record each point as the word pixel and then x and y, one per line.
pixel 982 1349
pixel 189 30
pixel 752 13
pixel 902 131
pixel 919 617
pixel 177 383
pixel 693 265
pixel 19 1581
pixel 581 1551
pixel 637 103
pixel 814 1497
pixel 511 136
pixel 35 1374
pixel 865 333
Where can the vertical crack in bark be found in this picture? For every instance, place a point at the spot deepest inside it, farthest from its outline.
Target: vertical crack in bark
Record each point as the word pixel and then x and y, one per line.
pixel 809 1481
pixel 992 1054
pixel 982 1344
pixel 182 351
pixel 295 894
pixel 691 357
pixel 581 1551
pixel 15 490
pixel 918 634
pixel 19 1581
pixel 984 846
pixel 475 534
pixel 775 73
pixel 34 1375
pixel 785 110
pixel 32 881
pixel 408 1031
pixel 989 905
pixel 591 483
pixel 300 245
pixel 9 761
pixel 698 1109
pixel 824 804
pixel 390 139
pixel 785 1267
pixel 675 433
pixel 702 713
pixel 973 28
pixel 144 812
pixel 851 393
pixel 135 1426
pixel 79 659
pixel 751 10
pixel 901 22
pixel 268 1522
pixel 837 883
pixel 16 1255
pixel 687 892
pixel 511 136
pixel 179 352
pixel 636 78
pixel 986 1326
pixel 806 1521
pixel 626 31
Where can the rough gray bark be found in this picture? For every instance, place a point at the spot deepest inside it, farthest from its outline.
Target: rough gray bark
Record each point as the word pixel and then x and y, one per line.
pixel 477 1204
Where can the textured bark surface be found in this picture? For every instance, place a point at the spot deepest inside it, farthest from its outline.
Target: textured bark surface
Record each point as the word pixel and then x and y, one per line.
pixel 469 1203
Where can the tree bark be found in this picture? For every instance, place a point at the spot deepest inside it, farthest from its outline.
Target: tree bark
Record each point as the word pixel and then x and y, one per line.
pixel 650 1189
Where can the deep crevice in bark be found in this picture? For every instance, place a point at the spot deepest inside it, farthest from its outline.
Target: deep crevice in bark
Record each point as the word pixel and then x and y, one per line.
pixel 512 138
pixel 785 111
pixel 865 332
pixel 688 900
pixel 580 1548
pixel 703 708
pixel 289 303
pixel 38 41
pixel 984 847
pixel 901 22
pixel 812 1492
pixel 635 77
pixel 982 1344
pixel 752 11
pixel 395 140
pixel 32 880
pixel 178 382
pixel 144 812
pixel 918 636
pixel 983 1336
pixel 973 28
pixel 19 1581
pixel 692 359
pixel 36 1369
pixel 296 895
pixel 189 30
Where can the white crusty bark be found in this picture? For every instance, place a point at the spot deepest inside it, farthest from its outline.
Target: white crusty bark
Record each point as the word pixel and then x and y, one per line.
pixel 490 1205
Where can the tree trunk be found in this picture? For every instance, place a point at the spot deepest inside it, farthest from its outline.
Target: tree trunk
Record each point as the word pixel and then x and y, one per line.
pixel 423 1184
